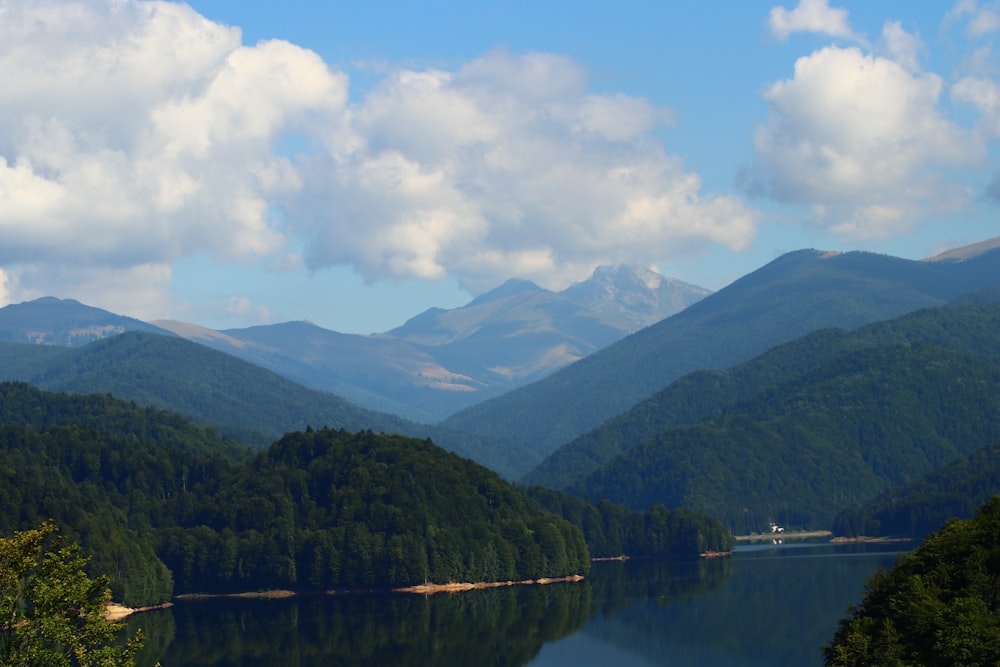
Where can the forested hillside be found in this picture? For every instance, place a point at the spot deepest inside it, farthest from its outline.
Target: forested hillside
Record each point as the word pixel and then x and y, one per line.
pixel 245 402
pixel 796 294
pixel 165 507
pixel 972 328
pixel 804 449
pixel 937 606
pixel 956 489
pixel 614 530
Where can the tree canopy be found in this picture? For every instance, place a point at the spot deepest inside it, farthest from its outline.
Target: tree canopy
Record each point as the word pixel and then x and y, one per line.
pixel 51 613
pixel 939 605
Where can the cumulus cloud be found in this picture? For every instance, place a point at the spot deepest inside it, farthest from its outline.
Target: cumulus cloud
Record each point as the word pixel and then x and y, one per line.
pixel 506 166
pixel 862 139
pixel 810 16
pixel 136 290
pixel 981 19
pixel 902 46
pixel 133 134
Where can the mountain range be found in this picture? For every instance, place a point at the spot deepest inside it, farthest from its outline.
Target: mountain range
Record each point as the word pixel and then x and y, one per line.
pixel 797 293
pixel 794 295
pixel 431 366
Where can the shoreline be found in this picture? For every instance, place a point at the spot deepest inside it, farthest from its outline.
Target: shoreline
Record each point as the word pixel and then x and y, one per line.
pixel 800 535
pixel 262 595
pixel 115 612
pixel 869 540
pixel 424 589
pixel 458 587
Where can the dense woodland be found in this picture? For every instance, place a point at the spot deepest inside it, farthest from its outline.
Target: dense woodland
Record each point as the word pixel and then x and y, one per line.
pixel 243 401
pixel 831 439
pixel 956 489
pixel 973 328
pixel 939 605
pixel 614 530
pixel 165 507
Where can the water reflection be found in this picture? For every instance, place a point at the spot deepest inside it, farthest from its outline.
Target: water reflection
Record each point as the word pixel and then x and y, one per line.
pixel 766 606
pixel 506 626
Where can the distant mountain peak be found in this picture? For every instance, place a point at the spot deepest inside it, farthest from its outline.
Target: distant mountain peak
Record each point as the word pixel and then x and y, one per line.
pixel 966 252
pixel 507 289
pixel 631 296
pixel 64 322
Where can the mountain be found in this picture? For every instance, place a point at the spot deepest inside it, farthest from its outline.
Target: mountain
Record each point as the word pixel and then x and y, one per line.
pixel 65 322
pixel 245 402
pixel 443 360
pixel 970 328
pixel 832 438
pixel 633 297
pixel 162 513
pixel 797 293
pixel 955 490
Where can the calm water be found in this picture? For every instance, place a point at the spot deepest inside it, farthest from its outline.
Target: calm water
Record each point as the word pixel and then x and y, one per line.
pixel 764 606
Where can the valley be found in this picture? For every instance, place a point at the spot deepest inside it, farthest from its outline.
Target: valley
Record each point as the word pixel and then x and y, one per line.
pixel 853 393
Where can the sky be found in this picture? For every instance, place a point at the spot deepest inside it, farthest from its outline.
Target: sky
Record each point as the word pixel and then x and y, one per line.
pixel 234 163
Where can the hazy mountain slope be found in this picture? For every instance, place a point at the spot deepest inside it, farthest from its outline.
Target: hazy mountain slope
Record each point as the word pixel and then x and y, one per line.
pixel 968 328
pixel 441 361
pixel 51 321
pixel 956 489
pixel 795 294
pixel 244 401
pixel 833 438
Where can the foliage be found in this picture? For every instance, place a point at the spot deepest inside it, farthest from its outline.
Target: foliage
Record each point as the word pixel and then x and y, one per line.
pixel 243 401
pixel 51 613
pixel 974 329
pixel 939 605
pixel 331 509
pixel 956 489
pixel 830 439
pixel 162 512
pixel 612 530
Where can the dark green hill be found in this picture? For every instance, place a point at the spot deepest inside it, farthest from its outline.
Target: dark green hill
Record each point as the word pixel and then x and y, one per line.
pixel 244 401
pixel 330 509
pixel 159 510
pixel 969 328
pixel 802 450
pixel 241 399
pixel 955 490
pixel 937 606
pixel 24 405
pixel 794 295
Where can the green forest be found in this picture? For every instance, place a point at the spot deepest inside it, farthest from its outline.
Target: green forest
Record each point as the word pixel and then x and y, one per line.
pixel 164 507
pixel 956 489
pixel 970 328
pixel 832 438
pixel 939 605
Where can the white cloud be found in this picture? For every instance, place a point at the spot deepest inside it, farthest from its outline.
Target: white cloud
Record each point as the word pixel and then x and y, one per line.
pixel 137 291
pixel 507 166
pixel 244 308
pixel 133 134
pixel 982 19
pixel 810 16
pixel 863 137
pixel 902 46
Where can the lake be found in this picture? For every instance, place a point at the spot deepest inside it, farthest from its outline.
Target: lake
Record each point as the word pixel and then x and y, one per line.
pixel 765 605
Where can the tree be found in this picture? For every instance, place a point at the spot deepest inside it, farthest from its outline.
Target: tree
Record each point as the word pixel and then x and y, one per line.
pixel 51 613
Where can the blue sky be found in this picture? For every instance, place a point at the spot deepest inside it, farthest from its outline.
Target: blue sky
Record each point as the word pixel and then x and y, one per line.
pixel 352 164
